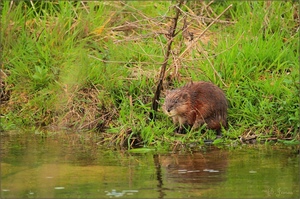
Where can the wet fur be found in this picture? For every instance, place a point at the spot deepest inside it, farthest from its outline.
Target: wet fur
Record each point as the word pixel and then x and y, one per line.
pixel 195 104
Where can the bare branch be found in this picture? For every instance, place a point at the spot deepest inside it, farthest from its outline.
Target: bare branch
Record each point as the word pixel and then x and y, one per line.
pixel 164 65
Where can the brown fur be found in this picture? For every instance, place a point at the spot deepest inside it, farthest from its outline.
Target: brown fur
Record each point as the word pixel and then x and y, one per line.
pixel 195 104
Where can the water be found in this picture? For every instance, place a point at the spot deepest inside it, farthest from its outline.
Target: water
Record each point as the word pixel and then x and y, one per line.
pixel 70 166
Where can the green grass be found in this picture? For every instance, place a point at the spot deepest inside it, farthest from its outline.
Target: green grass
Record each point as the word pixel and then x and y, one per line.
pixel 95 65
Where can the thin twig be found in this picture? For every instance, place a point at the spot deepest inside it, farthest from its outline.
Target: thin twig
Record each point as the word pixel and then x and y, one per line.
pixel 164 65
pixel 33 7
pixel 83 5
pixel 10 6
pixel 198 37
pixel 215 71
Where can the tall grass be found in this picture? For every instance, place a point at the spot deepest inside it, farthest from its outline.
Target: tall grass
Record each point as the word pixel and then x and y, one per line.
pixel 94 65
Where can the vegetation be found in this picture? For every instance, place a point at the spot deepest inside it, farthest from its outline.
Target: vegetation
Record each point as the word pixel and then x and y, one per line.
pixel 95 66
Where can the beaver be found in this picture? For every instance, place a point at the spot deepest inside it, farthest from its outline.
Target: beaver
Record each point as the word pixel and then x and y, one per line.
pixel 196 104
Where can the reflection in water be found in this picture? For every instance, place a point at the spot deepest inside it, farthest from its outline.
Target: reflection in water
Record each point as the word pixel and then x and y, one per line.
pixel 158 176
pixel 197 167
pixel 194 168
pixel 114 193
pixel 74 166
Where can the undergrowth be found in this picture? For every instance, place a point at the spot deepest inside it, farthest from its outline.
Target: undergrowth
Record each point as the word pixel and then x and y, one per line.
pixel 95 65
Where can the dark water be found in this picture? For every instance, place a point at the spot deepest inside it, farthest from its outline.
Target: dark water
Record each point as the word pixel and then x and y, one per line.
pixel 71 166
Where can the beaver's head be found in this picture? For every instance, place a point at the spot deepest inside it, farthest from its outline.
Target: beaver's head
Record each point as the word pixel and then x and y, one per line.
pixel 176 102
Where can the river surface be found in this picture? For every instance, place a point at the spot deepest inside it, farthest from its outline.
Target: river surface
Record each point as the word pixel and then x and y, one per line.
pixel 74 166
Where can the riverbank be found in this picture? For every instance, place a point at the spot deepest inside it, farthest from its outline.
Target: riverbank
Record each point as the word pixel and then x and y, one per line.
pixel 95 66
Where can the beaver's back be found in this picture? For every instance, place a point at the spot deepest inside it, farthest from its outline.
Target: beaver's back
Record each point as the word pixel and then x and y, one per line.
pixel 207 98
